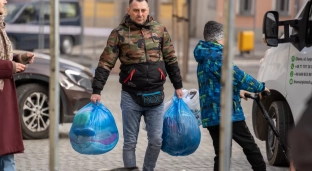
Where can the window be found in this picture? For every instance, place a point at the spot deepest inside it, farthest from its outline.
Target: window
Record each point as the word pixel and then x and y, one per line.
pixel 12 9
pixel 166 1
pixel 309 29
pixel 282 6
pixel 246 7
pixel 68 10
pixel 28 15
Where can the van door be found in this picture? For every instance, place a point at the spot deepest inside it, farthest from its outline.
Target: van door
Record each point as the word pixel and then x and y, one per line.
pixel 299 86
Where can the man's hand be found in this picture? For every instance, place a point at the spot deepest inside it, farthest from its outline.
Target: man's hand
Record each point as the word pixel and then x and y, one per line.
pixel 179 93
pixel 95 98
pixel 19 67
pixel 265 89
pixel 242 94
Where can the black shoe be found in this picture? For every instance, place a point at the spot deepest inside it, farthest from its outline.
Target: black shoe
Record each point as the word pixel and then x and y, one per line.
pixel 126 169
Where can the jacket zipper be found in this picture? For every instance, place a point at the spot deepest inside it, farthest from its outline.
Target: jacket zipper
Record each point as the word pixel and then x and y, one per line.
pixel 162 75
pixel 145 58
pixel 144 44
pixel 129 76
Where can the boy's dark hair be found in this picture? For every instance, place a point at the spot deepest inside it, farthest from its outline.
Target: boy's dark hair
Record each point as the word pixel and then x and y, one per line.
pixel 130 1
pixel 213 31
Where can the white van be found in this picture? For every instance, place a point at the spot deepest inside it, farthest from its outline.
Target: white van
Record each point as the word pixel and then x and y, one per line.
pixel 287 70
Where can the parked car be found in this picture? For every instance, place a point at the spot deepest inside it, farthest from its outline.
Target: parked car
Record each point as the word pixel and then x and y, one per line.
pixel 30 21
pixel 33 94
pixel 286 69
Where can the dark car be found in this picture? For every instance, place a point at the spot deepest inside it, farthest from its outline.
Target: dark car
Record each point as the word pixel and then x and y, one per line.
pixel 33 94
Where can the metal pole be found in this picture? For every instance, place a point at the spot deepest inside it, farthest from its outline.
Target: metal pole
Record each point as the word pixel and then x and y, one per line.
pixel 94 24
pixel 118 12
pixel 152 8
pixel 297 6
pixel 54 100
pixel 41 27
pixel 173 33
pixel 255 25
pixel 185 41
pixel 178 33
pixel 227 87
pixel 157 10
pixel 82 30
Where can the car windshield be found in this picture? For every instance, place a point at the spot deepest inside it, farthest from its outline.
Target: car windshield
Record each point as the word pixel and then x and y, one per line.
pixel 12 10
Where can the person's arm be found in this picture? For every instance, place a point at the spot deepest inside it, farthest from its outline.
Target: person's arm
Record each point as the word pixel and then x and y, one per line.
pixel 23 58
pixel 106 63
pixel 171 62
pixel 240 78
pixel 7 69
pixel 246 82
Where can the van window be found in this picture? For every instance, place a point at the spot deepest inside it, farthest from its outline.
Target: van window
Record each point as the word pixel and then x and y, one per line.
pixel 12 10
pixel 67 10
pixel 28 15
pixel 294 30
pixel 309 27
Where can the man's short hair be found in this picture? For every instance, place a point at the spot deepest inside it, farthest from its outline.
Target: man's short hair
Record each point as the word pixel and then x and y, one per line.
pixel 130 1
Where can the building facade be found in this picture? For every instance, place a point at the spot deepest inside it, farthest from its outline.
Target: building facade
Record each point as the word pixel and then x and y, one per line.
pixel 248 13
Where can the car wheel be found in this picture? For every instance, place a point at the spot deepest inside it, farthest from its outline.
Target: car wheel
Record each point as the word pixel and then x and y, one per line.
pixel 282 118
pixel 67 45
pixel 33 100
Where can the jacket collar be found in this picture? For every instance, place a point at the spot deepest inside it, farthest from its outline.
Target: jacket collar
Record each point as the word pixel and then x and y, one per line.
pixel 127 22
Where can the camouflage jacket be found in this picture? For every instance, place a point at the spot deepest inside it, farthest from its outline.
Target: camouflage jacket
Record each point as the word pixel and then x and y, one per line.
pixel 146 54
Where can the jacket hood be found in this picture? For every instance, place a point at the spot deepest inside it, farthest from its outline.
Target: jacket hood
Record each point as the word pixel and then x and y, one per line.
pixel 205 49
pixel 127 22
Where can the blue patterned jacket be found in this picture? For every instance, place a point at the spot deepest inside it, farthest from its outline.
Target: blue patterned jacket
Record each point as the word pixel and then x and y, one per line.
pixel 209 58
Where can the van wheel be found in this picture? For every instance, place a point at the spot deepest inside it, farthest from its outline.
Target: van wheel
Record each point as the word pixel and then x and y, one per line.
pixel 67 45
pixel 33 100
pixel 282 118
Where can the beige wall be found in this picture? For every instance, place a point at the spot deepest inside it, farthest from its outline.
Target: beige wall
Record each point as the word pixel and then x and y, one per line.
pixel 109 14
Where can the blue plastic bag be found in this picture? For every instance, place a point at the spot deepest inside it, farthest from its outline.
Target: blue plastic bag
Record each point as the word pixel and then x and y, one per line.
pixel 94 130
pixel 181 133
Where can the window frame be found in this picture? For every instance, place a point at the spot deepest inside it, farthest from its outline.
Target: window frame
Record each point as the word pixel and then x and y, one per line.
pixel 278 5
pixel 244 12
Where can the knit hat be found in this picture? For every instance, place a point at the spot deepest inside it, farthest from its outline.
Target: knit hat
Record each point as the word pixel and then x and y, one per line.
pixel 213 31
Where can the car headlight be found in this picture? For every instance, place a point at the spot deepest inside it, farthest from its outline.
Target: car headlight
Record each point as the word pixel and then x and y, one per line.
pixel 79 78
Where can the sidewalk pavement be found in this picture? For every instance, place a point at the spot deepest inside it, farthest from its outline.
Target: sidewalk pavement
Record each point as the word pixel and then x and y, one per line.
pixel 201 160
pixel 36 158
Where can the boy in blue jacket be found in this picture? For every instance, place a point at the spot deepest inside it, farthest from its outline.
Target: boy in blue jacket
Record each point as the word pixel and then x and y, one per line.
pixel 208 54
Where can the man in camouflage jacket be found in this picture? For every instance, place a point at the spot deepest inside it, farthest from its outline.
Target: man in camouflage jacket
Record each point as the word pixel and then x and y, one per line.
pixel 146 53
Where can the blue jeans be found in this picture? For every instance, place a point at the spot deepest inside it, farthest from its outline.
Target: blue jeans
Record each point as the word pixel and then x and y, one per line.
pixel 7 163
pixel 131 116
